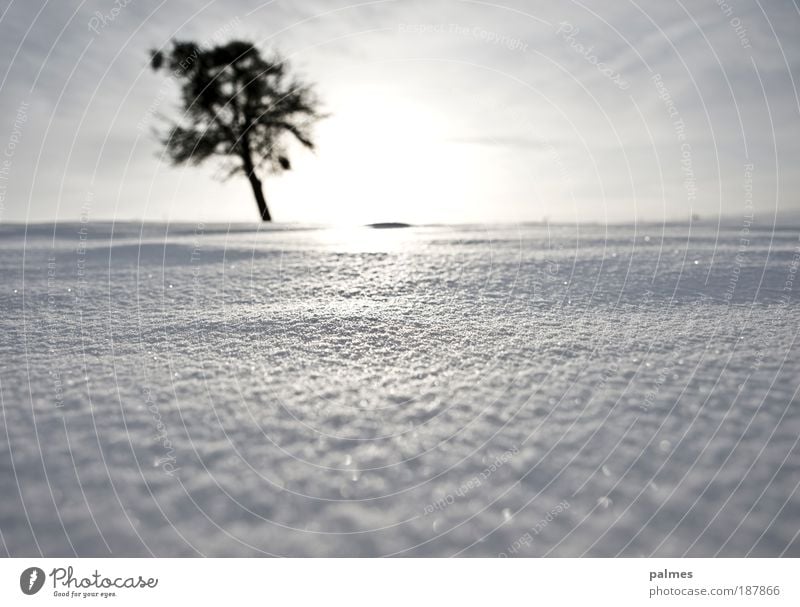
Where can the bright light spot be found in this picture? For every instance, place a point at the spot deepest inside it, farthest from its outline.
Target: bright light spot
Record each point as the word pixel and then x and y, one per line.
pixel 385 159
pixel 363 239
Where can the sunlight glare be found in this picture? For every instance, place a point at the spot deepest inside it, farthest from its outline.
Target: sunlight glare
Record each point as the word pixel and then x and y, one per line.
pixel 392 162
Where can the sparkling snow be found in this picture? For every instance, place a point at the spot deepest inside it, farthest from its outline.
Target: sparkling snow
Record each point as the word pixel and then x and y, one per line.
pixel 483 391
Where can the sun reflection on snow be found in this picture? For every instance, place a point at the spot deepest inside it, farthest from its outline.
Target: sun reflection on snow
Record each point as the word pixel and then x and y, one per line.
pixel 368 239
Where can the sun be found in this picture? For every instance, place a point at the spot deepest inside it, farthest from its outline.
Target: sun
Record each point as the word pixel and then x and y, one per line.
pixel 381 159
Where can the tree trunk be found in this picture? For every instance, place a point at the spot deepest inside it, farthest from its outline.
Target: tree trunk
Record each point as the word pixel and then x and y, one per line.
pixel 255 182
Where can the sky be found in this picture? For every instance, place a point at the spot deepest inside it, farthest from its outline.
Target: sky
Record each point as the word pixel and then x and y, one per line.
pixel 441 111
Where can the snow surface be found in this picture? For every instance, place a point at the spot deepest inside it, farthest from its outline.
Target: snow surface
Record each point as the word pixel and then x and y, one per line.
pixel 502 390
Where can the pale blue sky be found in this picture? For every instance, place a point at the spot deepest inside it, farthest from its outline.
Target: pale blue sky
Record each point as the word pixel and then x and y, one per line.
pixel 442 111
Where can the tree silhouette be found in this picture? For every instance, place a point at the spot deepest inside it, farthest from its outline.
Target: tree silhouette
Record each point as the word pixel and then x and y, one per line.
pixel 239 106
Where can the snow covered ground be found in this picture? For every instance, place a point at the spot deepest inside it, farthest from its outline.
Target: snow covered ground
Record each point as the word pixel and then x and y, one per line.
pixel 486 390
